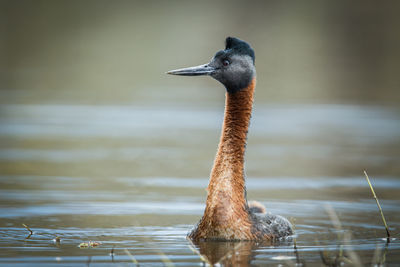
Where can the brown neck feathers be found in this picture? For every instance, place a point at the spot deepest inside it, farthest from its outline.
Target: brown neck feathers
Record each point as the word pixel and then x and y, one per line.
pixel 226 215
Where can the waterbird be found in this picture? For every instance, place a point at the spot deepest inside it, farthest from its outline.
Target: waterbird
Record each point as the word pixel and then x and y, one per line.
pixel 227 215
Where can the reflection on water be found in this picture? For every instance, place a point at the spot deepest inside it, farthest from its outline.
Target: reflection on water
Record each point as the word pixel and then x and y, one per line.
pixel 227 253
pixel 134 178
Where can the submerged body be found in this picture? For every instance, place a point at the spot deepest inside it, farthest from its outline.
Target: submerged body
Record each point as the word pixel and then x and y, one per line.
pixel 227 215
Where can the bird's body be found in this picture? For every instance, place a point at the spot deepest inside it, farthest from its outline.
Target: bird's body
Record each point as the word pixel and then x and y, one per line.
pixel 227 215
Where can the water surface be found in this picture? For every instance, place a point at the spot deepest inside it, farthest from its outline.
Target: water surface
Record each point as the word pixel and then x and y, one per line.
pixel 133 178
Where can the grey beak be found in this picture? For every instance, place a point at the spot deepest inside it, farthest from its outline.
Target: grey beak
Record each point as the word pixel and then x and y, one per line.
pixel 194 71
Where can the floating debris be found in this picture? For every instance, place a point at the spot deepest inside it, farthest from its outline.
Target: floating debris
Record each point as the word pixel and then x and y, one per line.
pixel 83 245
pixel 94 244
pixel 90 244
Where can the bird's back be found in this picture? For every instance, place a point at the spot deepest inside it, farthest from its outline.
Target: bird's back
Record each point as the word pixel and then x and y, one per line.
pixel 268 224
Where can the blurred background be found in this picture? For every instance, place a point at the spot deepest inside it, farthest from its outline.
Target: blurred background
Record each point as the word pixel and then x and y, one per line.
pixel 83 89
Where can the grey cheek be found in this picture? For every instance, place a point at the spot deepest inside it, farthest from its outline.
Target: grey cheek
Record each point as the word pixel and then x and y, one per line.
pixel 218 77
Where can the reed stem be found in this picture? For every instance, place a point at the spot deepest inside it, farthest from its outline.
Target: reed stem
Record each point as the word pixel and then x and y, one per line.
pixel 379 206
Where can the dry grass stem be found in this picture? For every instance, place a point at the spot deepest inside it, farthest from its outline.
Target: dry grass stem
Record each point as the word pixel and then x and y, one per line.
pixel 27 228
pixel 30 231
pixel 132 258
pixel 379 206
pixel 344 237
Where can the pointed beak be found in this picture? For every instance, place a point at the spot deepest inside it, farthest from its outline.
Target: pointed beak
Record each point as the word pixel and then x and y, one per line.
pixel 194 71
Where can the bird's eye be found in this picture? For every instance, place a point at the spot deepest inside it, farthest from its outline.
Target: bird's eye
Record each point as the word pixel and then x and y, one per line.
pixel 225 62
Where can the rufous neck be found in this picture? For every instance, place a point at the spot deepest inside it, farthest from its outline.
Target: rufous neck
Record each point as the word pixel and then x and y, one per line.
pixel 227 174
pixel 238 108
pixel 226 214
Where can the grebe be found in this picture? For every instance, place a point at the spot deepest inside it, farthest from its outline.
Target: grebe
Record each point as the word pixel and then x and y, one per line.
pixel 227 215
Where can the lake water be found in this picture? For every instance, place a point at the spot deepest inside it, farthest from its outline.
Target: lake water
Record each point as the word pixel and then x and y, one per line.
pixel 133 179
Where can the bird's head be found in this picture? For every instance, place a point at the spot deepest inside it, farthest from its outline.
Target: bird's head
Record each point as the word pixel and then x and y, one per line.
pixel 233 66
